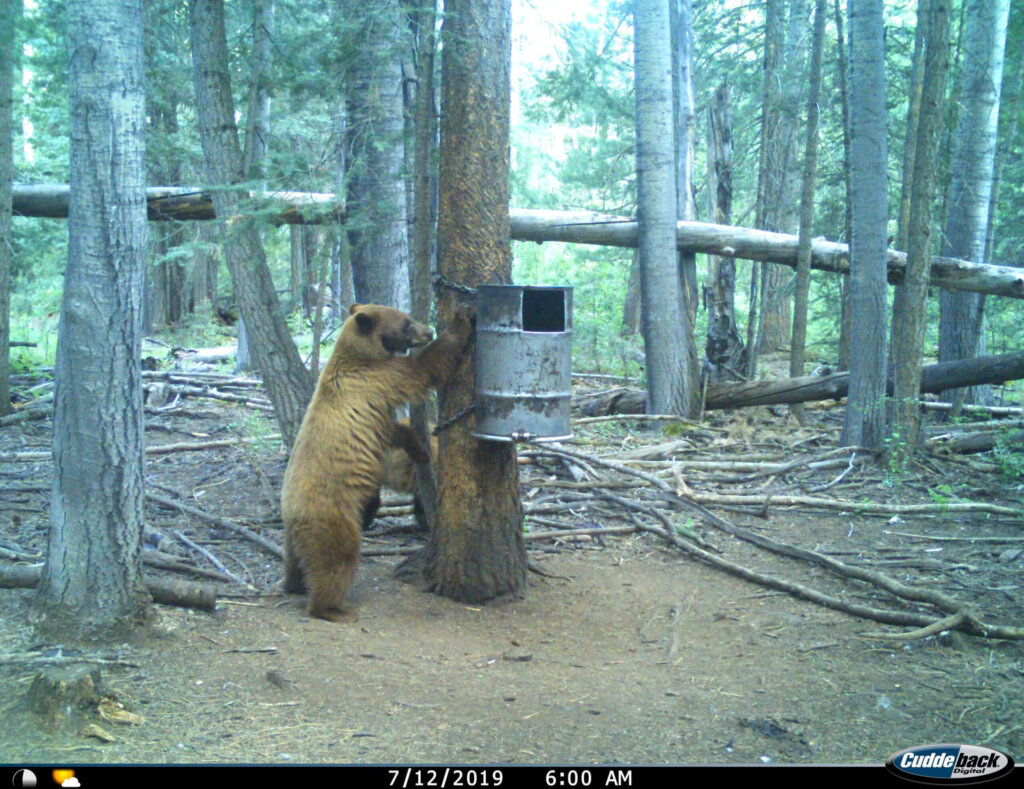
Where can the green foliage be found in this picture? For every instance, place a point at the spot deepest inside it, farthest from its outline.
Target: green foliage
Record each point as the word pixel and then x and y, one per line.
pixel 943 495
pixel 1009 456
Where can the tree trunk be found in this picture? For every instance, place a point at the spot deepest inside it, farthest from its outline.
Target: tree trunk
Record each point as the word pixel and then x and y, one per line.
pixel 10 10
pixel 92 583
pixel 424 222
pixel 724 349
pixel 632 315
pixel 685 135
pixel 669 387
pixel 909 316
pixel 917 74
pixel 961 315
pixel 476 551
pixel 686 208
pixel 257 117
pixel 378 219
pixel 783 175
pixel 844 100
pixel 425 147
pixel 865 410
pixel 289 384
pixel 803 261
pixel 257 135
pixel 342 287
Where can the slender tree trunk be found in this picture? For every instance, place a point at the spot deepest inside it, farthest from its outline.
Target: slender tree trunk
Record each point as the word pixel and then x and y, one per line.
pixel 909 317
pixel 476 551
pixel 289 384
pixel 724 348
pixel 342 287
pixel 425 148
pixel 378 219
pixel 257 117
pixel 1009 102
pixel 257 133
pixel 669 387
pixel 773 42
pixel 686 208
pixel 865 409
pixel 844 100
pixel 92 583
pixel 917 74
pixel 961 315
pixel 783 187
pixel 424 19
pixel 10 11
pixel 803 261
pixel 632 315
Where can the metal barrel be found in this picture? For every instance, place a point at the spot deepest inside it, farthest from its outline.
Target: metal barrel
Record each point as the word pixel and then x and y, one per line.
pixel 523 363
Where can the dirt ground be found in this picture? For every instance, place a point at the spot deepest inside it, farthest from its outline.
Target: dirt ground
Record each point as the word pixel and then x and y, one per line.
pixel 626 651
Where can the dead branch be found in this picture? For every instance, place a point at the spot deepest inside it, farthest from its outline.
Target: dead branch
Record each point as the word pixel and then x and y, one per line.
pixel 939 600
pixel 238 528
pixel 213 560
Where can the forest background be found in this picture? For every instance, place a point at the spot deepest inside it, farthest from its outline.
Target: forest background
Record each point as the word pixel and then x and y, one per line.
pixel 573 147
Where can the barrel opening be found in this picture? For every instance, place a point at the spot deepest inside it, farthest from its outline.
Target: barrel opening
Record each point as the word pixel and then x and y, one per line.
pixel 544 309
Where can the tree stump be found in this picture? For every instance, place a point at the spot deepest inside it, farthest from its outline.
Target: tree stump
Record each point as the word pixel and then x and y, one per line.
pixel 62 693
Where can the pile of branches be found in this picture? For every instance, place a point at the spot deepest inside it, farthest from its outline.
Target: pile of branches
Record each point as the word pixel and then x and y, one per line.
pixel 663 489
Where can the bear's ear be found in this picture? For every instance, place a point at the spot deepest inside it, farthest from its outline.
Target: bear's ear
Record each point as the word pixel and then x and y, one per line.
pixel 354 309
pixel 365 323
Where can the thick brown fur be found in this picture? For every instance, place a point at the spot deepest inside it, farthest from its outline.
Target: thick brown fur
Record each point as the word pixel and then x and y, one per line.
pixel 399 470
pixel 335 470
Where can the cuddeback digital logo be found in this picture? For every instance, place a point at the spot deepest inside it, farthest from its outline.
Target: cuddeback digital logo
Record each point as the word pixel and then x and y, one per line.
pixel 949 763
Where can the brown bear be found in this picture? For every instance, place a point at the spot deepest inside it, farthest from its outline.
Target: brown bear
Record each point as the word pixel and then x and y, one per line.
pixel 399 471
pixel 335 470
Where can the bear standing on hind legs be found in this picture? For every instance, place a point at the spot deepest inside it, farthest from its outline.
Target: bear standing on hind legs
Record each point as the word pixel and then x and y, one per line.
pixel 334 472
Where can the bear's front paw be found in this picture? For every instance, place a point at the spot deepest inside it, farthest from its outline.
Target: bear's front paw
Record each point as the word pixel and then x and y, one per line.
pixel 463 322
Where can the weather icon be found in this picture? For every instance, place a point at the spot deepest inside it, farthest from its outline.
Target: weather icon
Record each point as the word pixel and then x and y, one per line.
pixel 66 778
pixel 24 779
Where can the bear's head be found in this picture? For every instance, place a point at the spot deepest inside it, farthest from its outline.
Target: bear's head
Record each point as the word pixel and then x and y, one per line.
pixel 374 331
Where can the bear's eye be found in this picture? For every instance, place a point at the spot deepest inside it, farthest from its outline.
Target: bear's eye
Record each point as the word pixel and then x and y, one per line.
pixel 406 326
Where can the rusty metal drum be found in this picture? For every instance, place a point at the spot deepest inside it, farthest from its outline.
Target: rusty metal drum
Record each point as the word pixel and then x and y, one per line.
pixel 523 363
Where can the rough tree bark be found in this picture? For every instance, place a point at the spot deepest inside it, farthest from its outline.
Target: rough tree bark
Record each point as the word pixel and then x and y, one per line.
pixel 669 387
pixel 865 410
pixel 844 100
pixel 378 215
pixel 289 384
pixel 782 189
pixel 724 348
pixel 92 585
pixel 476 550
pixel 423 22
pixel 257 133
pixel 909 318
pixel 803 261
pixel 10 10
pixel 961 315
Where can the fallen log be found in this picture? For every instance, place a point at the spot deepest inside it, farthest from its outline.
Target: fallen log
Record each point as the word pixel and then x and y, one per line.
pixel 578 227
pixel 584 227
pixel 164 591
pixel 976 442
pixel 183 203
pixel 934 378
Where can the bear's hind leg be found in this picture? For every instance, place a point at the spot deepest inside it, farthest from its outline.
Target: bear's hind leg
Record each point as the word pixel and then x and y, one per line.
pixel 293 582
pixel 328 586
